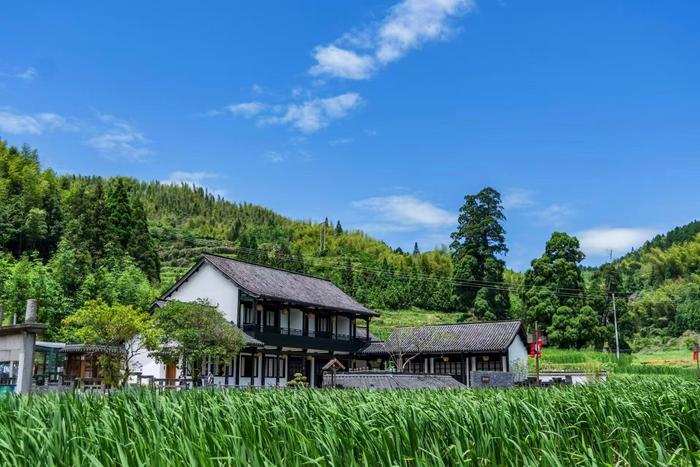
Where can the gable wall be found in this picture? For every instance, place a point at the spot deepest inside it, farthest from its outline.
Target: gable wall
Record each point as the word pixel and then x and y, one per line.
pixel 210 284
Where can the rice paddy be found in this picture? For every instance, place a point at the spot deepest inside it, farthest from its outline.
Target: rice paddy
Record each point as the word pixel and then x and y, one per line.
pixel 625 421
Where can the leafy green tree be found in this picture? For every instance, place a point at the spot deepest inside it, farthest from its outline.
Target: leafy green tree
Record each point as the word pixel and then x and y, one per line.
pixel 571 329
pixel 478 240
pixel 554 280
pixel 199 331
pixel 30 278
pixel 116 325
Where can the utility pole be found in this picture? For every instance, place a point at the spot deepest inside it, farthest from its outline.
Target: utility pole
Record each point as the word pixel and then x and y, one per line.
pixel 617 335
pixel 537 354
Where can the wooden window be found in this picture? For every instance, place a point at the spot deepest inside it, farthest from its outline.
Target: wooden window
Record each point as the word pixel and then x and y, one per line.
pixel 415 366
pixel 323 324
pixel 248 312
pixel 489 363
pixel 270 367
pixel 270 317
pixel 448 368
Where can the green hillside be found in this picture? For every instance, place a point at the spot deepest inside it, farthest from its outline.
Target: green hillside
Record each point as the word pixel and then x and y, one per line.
pixel 69 239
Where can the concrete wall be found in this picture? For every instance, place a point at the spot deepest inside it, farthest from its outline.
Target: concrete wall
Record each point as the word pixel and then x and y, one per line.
pixel 208 283
pixel 517 359
pixel 495 379
pixel 20 348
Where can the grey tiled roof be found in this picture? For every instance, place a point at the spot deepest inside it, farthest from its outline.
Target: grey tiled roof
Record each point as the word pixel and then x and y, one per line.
pixel 251 341
pixel 277 284
pixel 494 336
pixel 361 333
pixel 380 381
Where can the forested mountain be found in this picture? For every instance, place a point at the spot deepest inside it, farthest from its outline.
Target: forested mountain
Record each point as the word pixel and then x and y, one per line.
pixel 69 239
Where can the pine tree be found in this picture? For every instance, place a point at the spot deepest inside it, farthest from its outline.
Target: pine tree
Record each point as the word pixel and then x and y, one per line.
pixel 479 238
pixel 141 245
pixel 119 215
pixel 338 228
pixel 416 250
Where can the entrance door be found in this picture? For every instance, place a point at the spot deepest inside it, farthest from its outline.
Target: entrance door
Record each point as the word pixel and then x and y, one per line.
pixel 296 365
pixel 170 370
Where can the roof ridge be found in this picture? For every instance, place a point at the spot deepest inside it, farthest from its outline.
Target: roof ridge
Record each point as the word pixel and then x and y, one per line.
pixel 463 324
pixel 268 267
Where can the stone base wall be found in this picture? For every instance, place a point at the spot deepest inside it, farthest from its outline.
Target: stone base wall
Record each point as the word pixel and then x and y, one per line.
pixel 491 379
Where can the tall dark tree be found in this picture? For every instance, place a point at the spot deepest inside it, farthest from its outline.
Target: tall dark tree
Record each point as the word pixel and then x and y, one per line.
pixel 338 228
pixel 554 280
pixel 141 245
pixel 416 250
pixel 120 221
pixel 476 245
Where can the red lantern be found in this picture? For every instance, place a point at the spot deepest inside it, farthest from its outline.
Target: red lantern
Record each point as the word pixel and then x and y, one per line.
pixel 532 350
pixel 539 348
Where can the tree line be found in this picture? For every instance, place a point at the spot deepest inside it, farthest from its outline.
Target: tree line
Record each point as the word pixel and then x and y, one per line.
pixel 67 240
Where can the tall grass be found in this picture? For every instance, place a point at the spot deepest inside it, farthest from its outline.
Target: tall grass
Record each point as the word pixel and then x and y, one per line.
pixel 629 421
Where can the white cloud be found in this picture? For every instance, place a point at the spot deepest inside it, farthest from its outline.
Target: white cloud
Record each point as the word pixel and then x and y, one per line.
pixel 180 177
pixel 340 141
pixel 406 211
pixel 194 179
pixel 554 214
pixel 274 156
pixel 33 124
pixel 600 241
pixel 408 25
pixel 247 109
pixel 121 139
pixel 312 115
pixel 341 63
pixel 518 198
pixel 27 75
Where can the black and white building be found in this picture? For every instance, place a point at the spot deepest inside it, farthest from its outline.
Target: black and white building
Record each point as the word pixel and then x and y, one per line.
pixel 296 323
pixel 293 323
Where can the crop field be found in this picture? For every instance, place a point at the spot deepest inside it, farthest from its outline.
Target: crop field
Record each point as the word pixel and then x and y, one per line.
pixel 627 421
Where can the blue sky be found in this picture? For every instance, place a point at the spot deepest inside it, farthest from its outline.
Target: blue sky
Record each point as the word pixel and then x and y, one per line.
pixel 382 114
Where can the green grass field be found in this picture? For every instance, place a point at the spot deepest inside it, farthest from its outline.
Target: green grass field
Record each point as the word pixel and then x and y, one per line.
pixel 627 421
pixel 389 319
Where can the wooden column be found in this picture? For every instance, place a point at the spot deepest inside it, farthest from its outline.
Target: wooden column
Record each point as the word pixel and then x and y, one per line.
pixel 367 328
pixel 464 369
pixel 277 368
pixel 263 366
pixel 236 370
pixel 253 367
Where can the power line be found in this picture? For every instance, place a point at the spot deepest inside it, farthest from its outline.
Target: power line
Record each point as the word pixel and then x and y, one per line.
pixel 492 285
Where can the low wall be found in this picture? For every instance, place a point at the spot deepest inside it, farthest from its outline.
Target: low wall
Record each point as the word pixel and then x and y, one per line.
pixel 491 379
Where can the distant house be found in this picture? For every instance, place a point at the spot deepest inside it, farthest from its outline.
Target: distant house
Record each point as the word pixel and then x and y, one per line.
pixel 458 350
pixel 293 323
